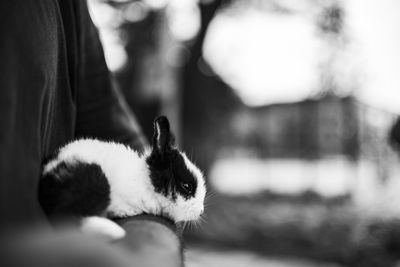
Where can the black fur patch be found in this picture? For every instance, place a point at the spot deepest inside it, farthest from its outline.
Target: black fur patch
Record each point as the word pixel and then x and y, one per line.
pixel 76 190
pixel 169 174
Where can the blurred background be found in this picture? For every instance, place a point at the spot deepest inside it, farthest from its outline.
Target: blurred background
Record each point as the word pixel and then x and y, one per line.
pixel 291 109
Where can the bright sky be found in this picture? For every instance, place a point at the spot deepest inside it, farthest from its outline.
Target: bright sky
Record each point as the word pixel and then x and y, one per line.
pixel 265 58
pixel 376 28
pixel 269 58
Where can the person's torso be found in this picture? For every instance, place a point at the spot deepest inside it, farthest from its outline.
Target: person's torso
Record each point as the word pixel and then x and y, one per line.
pixel 37 92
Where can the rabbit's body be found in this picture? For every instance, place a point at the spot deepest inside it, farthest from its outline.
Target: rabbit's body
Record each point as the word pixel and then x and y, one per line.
pixel 125 172
pixel 90 179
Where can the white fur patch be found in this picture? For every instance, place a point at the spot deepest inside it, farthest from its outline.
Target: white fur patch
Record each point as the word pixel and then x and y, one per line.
pixel 158 133
pixel 131 190
pixel 193 169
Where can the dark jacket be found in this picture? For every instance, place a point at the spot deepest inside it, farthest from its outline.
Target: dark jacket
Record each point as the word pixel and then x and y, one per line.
pixel 54 87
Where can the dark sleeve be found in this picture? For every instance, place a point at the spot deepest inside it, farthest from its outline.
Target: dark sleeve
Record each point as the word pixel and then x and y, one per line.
pixel 152 241
pixel 101 110
pixel 149 241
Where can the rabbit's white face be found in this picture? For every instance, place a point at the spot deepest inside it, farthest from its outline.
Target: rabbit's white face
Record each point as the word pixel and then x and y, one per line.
pixel 189 201
pixel 175 178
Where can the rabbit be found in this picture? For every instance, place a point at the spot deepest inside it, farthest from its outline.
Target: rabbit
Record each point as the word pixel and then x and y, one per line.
pixel 94 180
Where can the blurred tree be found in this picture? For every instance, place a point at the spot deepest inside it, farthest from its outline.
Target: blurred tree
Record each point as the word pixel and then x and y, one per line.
pixel 208 103
pixel 330 27
pixel 394 135
pixel 147 79
pixel 150 77
pixel 136 77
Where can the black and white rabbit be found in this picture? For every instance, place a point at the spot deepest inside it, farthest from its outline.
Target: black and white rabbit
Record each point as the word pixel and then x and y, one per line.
pixel 92 180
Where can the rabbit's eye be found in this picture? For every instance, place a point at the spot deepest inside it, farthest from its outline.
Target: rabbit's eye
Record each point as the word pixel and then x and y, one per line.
pixel 187 187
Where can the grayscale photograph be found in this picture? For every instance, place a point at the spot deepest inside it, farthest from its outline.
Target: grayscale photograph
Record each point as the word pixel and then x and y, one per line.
pixel 200 133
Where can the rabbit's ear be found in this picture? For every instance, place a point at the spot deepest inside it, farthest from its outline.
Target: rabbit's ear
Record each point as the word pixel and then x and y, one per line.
pixel 161 136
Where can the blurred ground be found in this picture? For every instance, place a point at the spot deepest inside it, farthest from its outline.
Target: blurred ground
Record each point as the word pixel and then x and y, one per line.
pixel 300 227
pixel 202 256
